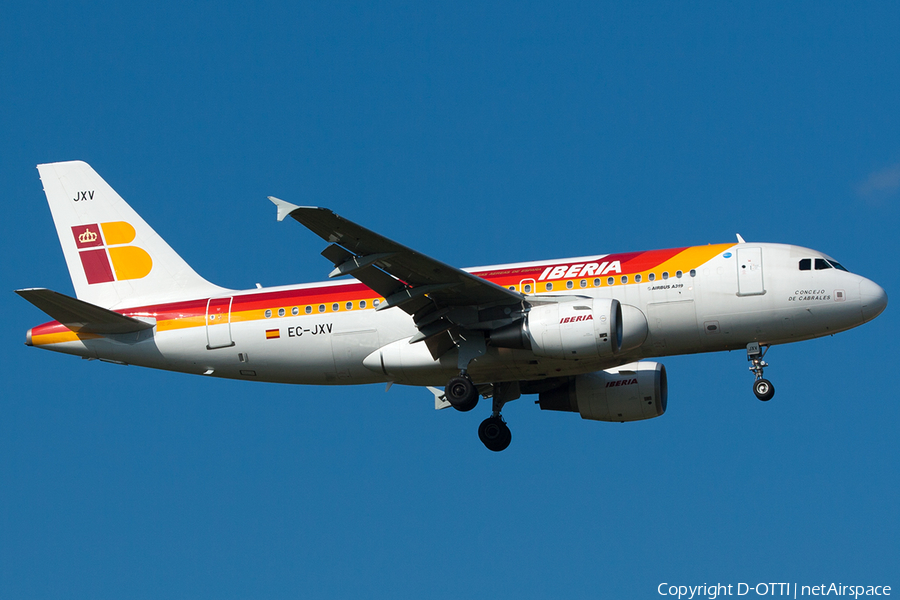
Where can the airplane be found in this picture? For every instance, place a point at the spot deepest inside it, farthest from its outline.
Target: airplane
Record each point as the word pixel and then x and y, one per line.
pixel 576 332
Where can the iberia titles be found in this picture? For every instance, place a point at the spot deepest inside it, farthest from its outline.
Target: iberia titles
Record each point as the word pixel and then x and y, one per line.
pixel 581 270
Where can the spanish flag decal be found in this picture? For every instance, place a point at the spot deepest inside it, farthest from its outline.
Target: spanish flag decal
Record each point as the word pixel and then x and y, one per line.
pixel 273 334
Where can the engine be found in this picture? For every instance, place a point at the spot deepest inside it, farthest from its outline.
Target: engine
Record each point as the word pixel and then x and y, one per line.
pixel 632 392
pixel 578 329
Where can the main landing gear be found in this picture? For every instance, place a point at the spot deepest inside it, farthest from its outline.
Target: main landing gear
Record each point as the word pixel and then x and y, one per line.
pixel 763 388
pixel 462 395
pixel 494 433
pixel 460 392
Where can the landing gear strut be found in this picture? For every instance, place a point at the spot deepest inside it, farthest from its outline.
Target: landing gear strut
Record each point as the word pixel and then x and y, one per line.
pixel 460 392
pixel 763 388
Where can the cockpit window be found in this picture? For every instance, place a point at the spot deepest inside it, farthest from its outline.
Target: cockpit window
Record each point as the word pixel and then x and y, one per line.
pixel 821 264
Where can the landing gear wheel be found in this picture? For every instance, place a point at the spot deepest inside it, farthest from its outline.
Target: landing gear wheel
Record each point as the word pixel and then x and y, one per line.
pixel 461 393
pixel 494 434
pixel 763 389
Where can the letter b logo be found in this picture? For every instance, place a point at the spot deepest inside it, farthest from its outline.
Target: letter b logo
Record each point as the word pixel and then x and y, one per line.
pixel 109 258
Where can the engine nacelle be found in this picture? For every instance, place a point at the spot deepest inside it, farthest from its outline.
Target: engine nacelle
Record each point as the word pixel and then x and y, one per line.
pixel 577 329
pixel 584 328
pixel 588 328
pixel 632 392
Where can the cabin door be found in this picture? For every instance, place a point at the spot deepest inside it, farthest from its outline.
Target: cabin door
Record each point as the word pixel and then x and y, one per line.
pixel 750 272
pixel 218 323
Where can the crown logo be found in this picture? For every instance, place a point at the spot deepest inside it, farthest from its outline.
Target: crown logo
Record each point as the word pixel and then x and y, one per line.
pixel 87 237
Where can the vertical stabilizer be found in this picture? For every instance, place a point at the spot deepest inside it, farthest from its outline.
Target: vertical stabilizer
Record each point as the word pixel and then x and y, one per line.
pixel 115 259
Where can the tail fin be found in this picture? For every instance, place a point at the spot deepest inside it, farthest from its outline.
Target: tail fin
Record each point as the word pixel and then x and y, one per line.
pixel 115 259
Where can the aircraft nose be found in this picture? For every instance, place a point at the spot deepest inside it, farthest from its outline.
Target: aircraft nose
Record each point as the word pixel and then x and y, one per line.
pixel 872 299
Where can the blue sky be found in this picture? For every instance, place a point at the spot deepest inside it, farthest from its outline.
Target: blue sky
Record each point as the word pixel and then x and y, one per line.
pixel 477 133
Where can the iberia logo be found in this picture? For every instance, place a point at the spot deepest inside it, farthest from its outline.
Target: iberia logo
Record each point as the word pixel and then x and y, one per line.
pixel 105 255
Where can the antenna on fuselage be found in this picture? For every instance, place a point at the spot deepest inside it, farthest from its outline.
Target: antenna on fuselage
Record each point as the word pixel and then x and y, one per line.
pixel 740 239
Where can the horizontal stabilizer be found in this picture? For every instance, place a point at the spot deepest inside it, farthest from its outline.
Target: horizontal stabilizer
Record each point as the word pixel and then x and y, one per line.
pixel 81 316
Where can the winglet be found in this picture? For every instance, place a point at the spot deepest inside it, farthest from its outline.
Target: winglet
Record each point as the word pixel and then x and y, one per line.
pixel 284 208
pixel 740 239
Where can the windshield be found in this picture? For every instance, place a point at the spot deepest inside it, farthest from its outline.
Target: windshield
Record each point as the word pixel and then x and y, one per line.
pixel 820 264
pixel 837 265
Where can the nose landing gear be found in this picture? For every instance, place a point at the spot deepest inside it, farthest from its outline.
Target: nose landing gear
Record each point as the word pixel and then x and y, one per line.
pixel 763 388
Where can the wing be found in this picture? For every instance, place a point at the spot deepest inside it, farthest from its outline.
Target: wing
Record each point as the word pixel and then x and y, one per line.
pixel 437 295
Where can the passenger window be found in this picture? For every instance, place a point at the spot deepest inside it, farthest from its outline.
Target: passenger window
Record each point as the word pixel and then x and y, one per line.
pixel 693 272
pixel 805 264
pixel 308 309
pixel 527 288
pixel 651 276
pixel 335 307
pixel 376 302
pixel 295 311
pixel 268 314
pixel 512 288
pixel 637 278
pixel 570 284
pixel 624 278
pixel 321 308
pixel 349 306
pixel 665 274
pixel 549 286
pixel 678 274
pixel 362 303
pixel 596 283
pixel 610 280
pixel 822 264
pixel 280 312
pixel 583 283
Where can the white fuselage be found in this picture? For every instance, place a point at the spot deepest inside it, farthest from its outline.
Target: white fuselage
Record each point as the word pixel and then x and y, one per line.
pixel 750 292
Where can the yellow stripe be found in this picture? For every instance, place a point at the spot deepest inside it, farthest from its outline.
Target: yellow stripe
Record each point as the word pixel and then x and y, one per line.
pixel 62 337
pixel 181 323
pixel 691 258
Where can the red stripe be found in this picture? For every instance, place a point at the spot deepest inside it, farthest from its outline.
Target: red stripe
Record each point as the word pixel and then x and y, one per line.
pixel 632 262
pixel 645 261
